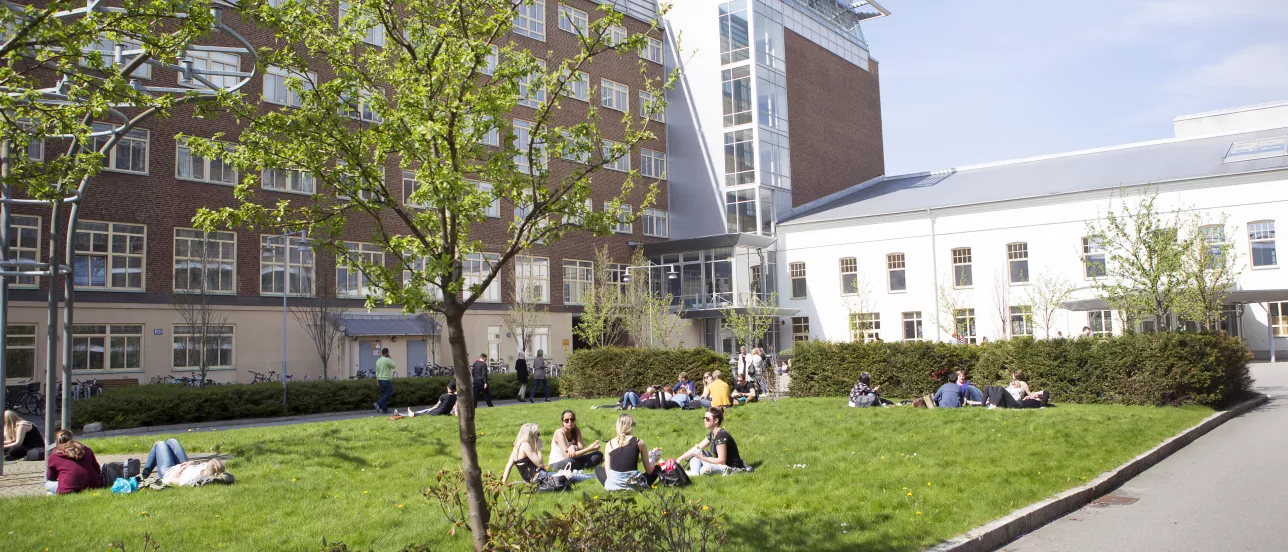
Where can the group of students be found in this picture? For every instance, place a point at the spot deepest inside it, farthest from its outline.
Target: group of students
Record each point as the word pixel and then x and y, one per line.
pixel 624 462
pixel 958 393
pixel 715 393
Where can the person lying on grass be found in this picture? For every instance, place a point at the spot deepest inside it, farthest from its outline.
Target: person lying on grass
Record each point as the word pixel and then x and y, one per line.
pixel 526 457
pixel 1016 395
pixel 567 450
pixel 744 391
pixel 654 397
pixel 722 456
pixel 172 463
pixel 446 405
pixel 72 467
pixel 626 453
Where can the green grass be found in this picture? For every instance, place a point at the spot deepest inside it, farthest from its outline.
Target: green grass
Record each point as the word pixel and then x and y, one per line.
pixel 873 479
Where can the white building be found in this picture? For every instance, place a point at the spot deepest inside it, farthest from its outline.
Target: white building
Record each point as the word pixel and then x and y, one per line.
pixel 993 228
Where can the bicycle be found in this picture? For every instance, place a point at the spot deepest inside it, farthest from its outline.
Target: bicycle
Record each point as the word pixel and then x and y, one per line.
pixel 30 400
pixel 257 377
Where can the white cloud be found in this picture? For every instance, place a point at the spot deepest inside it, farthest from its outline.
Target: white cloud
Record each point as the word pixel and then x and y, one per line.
pixel 1257 68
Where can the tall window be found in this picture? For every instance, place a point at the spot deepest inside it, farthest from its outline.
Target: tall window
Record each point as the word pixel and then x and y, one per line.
pixel 653 164
pixel 276 90
pixel 24 244
pixel 617 276
pixel 800 328
pixel 475 267
pixel 865 326
pixel 1021 320
pixel 1279 318
pixel 964 324
pixel 188 349
pixel 20 351
pixel 573 20
pixel 109 255
pixel 212 61
pixel 1093 258
pixel 409 187
pixel 532 87
pixel 616 35
pixel 204 261
pixel 737 95
pixel 578 276
pixel 530 20
pixel 1214 244
pixel 650 107
pixel 734 42
pixel 624 224
pixel 1017 259
pixel 796 271
pixel 131 151
pixel 283 264
pixel 896 272
pixel 191 166
pixel 652 51
pixel 373 35
pixel 288 180
pixel 107 347
pixel 622 163
pixel 962 274
pixel 493 135
pixel 849 276
pixel 349 279
pixel 359 107
pixel 740 211
pixel 740 158
pixel 912 326
pixel 491 61
pixel 614 95
pixel 493 209
pixel 656 223
pixel 1101 323
pixel 532 278
pixel 1261 237
pixel 578 87
pixel 522 135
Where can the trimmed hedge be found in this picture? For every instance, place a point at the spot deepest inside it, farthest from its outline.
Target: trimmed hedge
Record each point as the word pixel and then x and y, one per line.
pixel 1152 369
pixel 607 371
pixel 152 405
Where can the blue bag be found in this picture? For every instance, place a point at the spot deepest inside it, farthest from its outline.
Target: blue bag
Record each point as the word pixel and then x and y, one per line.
pixel 125 486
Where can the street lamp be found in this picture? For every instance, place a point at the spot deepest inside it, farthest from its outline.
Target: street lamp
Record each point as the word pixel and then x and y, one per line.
pixel 286 289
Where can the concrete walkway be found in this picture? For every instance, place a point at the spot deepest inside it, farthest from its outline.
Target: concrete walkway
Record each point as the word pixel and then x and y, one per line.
pixel 1226 491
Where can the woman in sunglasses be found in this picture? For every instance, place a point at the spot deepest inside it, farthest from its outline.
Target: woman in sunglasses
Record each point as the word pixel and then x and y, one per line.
pixel 718 453
pixel 567 450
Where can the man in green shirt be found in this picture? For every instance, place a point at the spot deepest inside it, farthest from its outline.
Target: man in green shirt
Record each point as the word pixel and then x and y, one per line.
pixel 384 373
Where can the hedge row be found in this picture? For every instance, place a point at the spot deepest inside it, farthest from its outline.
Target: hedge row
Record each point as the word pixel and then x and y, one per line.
pixel 607 371
pixel 1152 369
pixel 152 405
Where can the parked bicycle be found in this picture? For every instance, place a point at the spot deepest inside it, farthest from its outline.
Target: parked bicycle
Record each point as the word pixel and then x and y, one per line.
pixel 30 400
pixel 270 377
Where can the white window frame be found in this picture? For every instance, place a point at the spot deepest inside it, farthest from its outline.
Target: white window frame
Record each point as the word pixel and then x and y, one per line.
pixel 896 262
pixel 127 143
pixel 225 333
pixel 915 318
pixel 1021 317
pixel 522 132
pixel 533 96
pixel 181 151
pixel 646 101
pixel 1262 231
pixel 532 273
pixel 474 268
pixel 962 257
pixel 106 47
pixel 578 277
pixel 305 265
pixel 491 61
pixel 971 325
pixel 21 337
pixel 657 223
pixel 849 266
pixel 1017 252
pixel 225 242
pixel 653 164
pixel 1091 249
pixel 298 181
pixel 493 210
pixel 616 34
pixel 83 343
pixel 582 157
pixel 614 95
pixel 621 164
pixel 573 20
pixel 800 328
pixel 356 285
pixel 362 111
pixel 578 88
pixel 373 35
pixel 410 184
pixel 1256 149
pixel 530 20
pixel 624 225
pixel 1096 321
pixel 796 271
pixel 113 261
pixel 275 80
pixel 652 51
pixel 212 61
pixel 24 244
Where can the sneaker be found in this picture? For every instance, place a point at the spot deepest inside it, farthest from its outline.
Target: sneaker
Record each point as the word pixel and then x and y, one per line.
pixel 378 409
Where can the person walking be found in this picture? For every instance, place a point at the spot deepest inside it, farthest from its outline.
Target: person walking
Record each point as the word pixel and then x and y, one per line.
pixel 539 377
pixel 521 372
pixel 478 373
pixel 384 379
pixel 741 368
pixel 756 368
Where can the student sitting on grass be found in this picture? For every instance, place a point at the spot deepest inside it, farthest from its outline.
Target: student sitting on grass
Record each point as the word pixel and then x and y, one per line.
pixel 526 457
pixel 567 450
pixel 744 391
pixel 971 395
pixel 703 400
pixel 72 467
pixel 625 455
pixel 723 455
pixel 446 405
pixel 22 440
pixel 863 394
pixel 1016 395
pixel 682 392
pixel 174 467
pixel 718 390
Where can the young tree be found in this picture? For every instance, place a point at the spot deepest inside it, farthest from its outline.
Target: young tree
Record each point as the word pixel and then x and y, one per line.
pixel 1209 269
pixel 602 305
pixel 648 316
pixel 320 319
pixel 526 314
pixel 194 300
pixel 751 322
pixel 858 303
pixel 952 300
pixel 1002 301
pixel 1047 294
pixel 446 81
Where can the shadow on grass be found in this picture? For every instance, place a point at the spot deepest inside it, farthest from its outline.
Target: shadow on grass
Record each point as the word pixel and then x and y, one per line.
pixel 799 531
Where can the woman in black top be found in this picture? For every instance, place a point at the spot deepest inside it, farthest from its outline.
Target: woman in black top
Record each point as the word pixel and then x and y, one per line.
pixel 521 372
pixel 625 455
pixel 20 438
pixel 718 453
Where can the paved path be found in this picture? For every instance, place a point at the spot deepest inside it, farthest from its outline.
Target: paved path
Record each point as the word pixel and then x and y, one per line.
pixel 1226 491
pixel 28 478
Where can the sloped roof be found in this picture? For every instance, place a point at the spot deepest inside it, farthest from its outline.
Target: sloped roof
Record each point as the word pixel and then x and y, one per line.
pixel 1102 168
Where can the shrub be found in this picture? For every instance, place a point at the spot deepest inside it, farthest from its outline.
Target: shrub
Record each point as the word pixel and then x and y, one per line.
pixel 607 371
pixel 1153 369
pixel 152 405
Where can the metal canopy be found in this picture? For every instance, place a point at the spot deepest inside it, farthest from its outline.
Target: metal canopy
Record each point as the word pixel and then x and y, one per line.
pixel 716 241
pixel 719 313
pixel 1236 297
pixel 363 325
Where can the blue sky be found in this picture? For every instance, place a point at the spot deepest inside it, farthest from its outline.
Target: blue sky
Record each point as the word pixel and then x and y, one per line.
pixel 988 80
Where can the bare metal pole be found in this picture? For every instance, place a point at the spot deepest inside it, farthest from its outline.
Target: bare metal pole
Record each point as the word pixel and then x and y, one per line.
pixel 4 280
pixel 51 358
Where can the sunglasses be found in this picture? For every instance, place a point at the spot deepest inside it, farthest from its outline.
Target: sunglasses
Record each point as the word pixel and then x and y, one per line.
pixel 569 420
pixel 708 419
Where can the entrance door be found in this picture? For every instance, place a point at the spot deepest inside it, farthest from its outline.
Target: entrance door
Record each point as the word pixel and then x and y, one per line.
pixel 368 352
pixel 416 355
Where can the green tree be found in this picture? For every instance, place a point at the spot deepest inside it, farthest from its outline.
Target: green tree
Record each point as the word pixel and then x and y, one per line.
pixel 647 314
pixel 600 322
pixel 1209 269
pixel 427 100
pixel 1047 294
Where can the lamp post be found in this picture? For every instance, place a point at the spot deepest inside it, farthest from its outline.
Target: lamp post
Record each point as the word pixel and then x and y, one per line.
pixel 286 290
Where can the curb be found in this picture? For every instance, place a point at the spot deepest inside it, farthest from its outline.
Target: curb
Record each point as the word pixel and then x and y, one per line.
pixel 1002 531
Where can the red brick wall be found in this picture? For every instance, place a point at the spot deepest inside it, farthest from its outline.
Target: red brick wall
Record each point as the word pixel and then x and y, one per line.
pixel 835 114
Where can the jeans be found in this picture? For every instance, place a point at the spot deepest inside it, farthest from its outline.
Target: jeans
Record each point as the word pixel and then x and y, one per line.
pixel 697 467
pixel 163 456
pixel 630 398
pixel 588 460
pixel 972 393
pixel 679 399
pixel 483 392
pixel 51 487
pixel 544 384
pixel 386 394
pixel 523 390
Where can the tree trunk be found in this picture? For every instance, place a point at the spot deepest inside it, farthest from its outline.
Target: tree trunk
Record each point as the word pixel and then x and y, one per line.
pixel 469 452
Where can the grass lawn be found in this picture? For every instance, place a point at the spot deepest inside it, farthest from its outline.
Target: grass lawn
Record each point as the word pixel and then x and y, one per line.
pixel 868 479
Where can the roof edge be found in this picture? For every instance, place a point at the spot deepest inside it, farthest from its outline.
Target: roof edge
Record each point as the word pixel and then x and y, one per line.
pixel 1230 110
pixel 808 206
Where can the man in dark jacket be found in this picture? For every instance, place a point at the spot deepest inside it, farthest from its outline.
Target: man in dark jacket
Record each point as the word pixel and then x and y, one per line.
pixel 521 372
pixel 479 374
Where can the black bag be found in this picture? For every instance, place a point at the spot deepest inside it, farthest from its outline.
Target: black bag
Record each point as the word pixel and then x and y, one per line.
pixel 674 477
pixel 551 484
pixel 111 472
pixel 132 467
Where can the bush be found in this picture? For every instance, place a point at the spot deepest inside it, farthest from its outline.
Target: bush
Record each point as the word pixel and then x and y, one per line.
pixel 1153 369
pixel 607 371
pixel 152 405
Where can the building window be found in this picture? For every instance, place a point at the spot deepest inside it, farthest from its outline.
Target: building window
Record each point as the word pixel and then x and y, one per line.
pixel 617 276
pixel 280 264
pixel 578 276
pixel 276 90
pixel 131 151
pixel 350 281
pixel 651 108
pixel 615 95
pixel 532 87
pixel 204 261
pixel 575 149
pixel 734 42
pixel 474 268
pixel 1261 237
pixel 24 244
pixel 1093 258
pixel 493 209
pixel 110 255
pixel 522 137
pixel 191 166
pixel 493 135
pixel 912 326
pixel 532 278
pixel 20 351
pixel 1257 149
pixel 359 107
pixel 865 326
pixel 573 20
pixel 796 271
pixel 623 224
pixel 800 328
pixel 530 20
pixel 962 274
pixel 374 35
pixel 578 87
pixel 1017 259
pixel 964 325
pixel 491 61
pixel 107 347
pixel 616 35
pixel 1214 245
pixel 106 49
pixel 1021 321
pixel 409 187
pixel 652 51
pixel 653 164
pixel 740 158
pixel 35 144
pixel 849 276
pixel 288 180
pixel 1101 323
pixel 620 164
pixel 737 95
pixel 1279 318
pixel 211 61
pixel 656 223
pixel 189 351
pixel 771 100
pixel 740 211
pixel 895 272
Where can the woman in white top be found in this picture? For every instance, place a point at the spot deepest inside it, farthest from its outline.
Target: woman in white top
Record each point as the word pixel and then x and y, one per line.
pixel 1017 395
pixel 189 473
pixel 567 450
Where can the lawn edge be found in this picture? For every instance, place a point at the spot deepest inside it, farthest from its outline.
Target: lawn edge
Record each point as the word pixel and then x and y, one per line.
pixel 998 533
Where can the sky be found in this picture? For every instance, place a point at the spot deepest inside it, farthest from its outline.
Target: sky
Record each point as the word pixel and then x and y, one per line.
pixel 969 82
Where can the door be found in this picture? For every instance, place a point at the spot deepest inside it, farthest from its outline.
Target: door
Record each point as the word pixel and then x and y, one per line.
pixel 368 352
pixel 416 355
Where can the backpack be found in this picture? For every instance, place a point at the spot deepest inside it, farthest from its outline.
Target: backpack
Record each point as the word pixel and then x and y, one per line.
pixel 669 474
pixel 551 484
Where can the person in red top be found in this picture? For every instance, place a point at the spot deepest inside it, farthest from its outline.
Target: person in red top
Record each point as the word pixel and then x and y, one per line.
pixel 72 467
